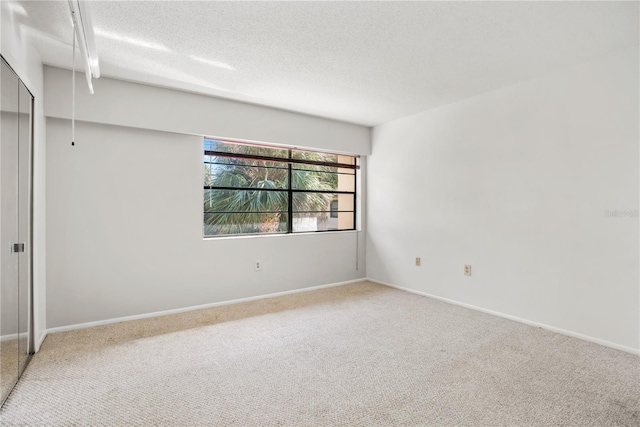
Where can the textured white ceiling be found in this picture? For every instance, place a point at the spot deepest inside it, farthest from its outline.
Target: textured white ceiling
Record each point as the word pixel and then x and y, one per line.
pixel 361 62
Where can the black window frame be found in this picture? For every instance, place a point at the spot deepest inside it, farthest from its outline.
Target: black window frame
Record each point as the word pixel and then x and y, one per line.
pixel 290 161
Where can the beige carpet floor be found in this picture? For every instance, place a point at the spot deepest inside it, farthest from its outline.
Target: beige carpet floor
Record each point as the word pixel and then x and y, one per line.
pixel 355 355
pixel 8 365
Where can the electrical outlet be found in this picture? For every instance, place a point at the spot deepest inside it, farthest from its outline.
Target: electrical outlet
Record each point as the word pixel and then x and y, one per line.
pixel 417 262
pixel 257 265
pixel 467 270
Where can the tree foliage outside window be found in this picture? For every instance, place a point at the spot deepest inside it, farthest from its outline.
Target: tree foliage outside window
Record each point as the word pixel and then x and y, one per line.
pixel 251 189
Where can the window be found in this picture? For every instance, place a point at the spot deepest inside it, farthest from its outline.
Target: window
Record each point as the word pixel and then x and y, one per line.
pixel 256 189
pixel 333 207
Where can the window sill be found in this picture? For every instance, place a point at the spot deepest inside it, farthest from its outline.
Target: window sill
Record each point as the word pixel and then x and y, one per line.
pixel 275 235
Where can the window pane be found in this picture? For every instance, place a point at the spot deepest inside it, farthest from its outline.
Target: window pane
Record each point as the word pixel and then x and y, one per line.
pixel 265 175
pixel 233 161
pixel 318 181
pixel 230 147
pixel 313 168
pixel 346 221
pixel 316 168
pixel 217 224
pixel 309 202
pixel 323 157
pixel 322 181
pixel 240 201
pixel 311 155
pixel 322 221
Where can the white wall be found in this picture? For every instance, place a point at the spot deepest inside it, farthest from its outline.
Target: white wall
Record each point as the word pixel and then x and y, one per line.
pixel 516 183
pixel 123 103
pixel 17 49
pixel 124 212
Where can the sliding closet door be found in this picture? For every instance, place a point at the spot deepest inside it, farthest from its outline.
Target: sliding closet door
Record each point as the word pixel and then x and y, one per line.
pixel 9 259
pixel 15 228
pixel 24 225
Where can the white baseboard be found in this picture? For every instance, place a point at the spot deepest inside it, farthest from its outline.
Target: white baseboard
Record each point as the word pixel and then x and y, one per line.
pixel 14 337
pixel 23 335
pixel 40 341
pixel 192 308
pixel 631 350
